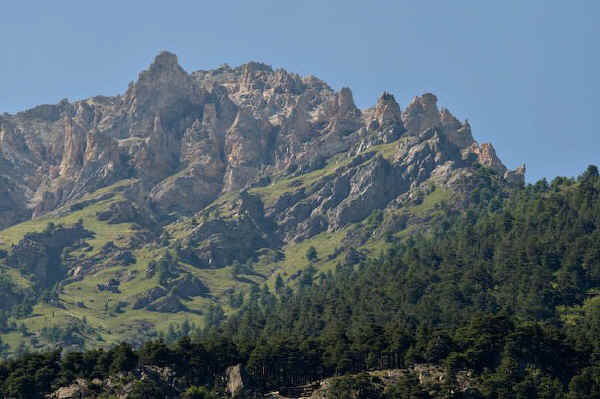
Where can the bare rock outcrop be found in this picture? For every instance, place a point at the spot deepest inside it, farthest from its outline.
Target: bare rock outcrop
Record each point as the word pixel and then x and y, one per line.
pixel 486 155
pixel 246 148
pixel 185 139
pixel 516 176
pixel 387 111
pixel 421 114
pixel 79 389
pixel 40 253
pixel 72 160
pixel 236 379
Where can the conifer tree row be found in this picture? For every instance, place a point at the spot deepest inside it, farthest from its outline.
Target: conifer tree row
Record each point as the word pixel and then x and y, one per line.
pixel 508 289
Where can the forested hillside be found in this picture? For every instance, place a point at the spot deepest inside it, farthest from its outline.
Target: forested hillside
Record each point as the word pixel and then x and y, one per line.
pixel 507 291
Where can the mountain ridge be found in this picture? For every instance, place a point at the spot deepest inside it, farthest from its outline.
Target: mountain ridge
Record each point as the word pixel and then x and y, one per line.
pixel 190 190
pixel 52 144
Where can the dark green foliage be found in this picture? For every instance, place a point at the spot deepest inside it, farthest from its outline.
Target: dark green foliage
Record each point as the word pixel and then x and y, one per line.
pixel 585 385
pixel 489 291
pixel 311 254
pixel 10 294
pixel 3 349
pixel 148 389
pixel 361 386
pixel 31 377
pixel 70 334
pixel 157 353
pixel 166 268
pixel 308 275
pixel 236 300
pixel 124 359
pixel 195 392
pixel 483 293
pixel 407 388
pixel 214 316
pixel 373 220
pixel 279 284
pixel 238 269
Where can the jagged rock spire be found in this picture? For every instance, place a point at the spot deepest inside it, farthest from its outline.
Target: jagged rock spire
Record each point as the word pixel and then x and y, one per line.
pixel 164 62
pixel 421 114
pixel 387 111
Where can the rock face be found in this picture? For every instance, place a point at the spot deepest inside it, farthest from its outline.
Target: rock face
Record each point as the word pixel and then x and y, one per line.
pixel 39 254
pixel 190 138
pixel 236 378
pixel 79 389
pixel 294 157
pixel 421 114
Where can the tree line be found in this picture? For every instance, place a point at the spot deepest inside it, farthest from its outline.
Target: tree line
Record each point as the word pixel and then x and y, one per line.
pixel 508 289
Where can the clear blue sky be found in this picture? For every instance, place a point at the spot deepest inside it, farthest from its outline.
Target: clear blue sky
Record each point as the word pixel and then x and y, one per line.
pixel 525 73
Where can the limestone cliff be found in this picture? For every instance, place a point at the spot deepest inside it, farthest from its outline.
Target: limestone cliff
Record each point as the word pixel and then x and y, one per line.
pixel 192 137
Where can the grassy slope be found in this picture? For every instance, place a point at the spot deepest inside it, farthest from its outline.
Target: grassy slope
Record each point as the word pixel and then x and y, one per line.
pixel 99 307
pixel 110 325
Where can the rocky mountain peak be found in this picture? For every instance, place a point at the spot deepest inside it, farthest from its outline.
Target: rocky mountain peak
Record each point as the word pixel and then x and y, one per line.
pixel 164 62
pixel 344 116
pixel 217 131
pixel 254 76
pixel 421 114
pixel 254 67
pixel 387 110
pixel 428 99
pixel 345 101
pixel 456 132
pixel 447 119
pixel 486 155
pixel 164 70
pixel 164 84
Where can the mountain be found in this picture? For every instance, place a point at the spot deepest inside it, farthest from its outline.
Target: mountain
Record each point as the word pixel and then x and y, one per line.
pixel 171 203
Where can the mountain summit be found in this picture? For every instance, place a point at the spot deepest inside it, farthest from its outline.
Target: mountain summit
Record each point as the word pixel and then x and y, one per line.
pixel 215 132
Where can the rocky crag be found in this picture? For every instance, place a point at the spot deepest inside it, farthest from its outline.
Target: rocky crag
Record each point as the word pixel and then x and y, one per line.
pixel 222 169
pixel 189 138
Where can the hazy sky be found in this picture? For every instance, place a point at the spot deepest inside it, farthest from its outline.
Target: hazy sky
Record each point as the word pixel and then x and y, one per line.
pixel 525 73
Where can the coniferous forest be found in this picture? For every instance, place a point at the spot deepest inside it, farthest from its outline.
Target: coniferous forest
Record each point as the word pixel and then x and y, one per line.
pixel 507 290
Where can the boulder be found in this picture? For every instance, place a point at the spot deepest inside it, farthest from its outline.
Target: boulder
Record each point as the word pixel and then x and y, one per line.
pixel 77 390
pixel 236 379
